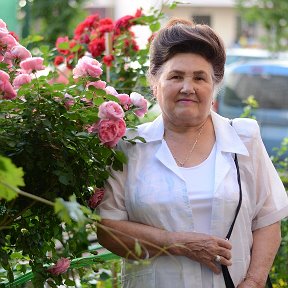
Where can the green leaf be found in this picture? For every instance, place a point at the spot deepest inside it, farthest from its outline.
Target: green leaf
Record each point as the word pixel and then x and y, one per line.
pixel 138 249
pixel 155 26
pixel 112 98
pixel 76 48
pixel 64 45
pixel 69 282
pixel 32 39
pixel 121 156
pixel 104 276
pixel 16 255
pixel 69 210
pixel 98 101
pixel 11 175
pixel 173 5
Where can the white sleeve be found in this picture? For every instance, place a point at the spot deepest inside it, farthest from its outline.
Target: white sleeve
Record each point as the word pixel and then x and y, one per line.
pixel 112 205
pixel 272 200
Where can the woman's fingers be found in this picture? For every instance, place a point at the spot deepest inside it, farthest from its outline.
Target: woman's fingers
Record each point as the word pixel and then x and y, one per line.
pixel 210 251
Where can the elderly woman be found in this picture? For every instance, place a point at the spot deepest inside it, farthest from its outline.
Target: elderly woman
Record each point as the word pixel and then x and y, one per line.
pixel 178 193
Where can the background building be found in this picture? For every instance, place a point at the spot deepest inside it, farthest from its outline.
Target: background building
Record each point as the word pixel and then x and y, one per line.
pixel 221 15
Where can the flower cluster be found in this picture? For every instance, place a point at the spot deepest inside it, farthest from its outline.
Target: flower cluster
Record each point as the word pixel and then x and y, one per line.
pixel 111 126
pixel 14 55
pixel 21 65
pixel 89 36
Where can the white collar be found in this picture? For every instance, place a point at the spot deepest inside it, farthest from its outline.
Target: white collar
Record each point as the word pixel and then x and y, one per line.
pixel 226 136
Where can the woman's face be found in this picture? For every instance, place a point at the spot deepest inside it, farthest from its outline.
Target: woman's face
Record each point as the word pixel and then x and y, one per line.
pixel 184 89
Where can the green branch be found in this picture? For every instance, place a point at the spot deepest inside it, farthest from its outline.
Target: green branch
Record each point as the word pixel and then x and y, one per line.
pixel 26 194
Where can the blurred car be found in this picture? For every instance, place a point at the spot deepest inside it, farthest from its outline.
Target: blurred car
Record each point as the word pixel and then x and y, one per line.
pixel 247 54
pixel 267 81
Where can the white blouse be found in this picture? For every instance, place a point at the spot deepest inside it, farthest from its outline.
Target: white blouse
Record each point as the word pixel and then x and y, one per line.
pixel 152 190
pixel 200 191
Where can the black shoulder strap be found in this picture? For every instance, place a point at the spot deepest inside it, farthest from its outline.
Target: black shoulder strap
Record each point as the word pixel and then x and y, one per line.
pixel 240 198
pixel 240 194
pixel 227 277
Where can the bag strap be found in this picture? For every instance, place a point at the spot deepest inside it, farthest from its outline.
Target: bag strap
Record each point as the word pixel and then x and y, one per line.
pixel 240 198
pixel 227 277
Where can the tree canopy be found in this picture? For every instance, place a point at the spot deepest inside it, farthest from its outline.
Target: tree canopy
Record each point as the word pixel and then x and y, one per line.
pixel 272 15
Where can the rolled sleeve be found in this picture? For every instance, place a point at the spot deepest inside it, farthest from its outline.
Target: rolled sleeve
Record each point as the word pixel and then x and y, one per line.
pixel 112 205
pixel 272 200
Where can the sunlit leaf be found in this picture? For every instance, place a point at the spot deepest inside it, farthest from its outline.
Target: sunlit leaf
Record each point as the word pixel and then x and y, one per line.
pixel 11 175
pixel 69 211
pixel 137 248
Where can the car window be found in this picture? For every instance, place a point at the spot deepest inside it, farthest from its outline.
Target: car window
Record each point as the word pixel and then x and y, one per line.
pixel 269 90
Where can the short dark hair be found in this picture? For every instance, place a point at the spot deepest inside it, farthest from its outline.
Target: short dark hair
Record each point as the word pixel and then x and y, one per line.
pixel 184 36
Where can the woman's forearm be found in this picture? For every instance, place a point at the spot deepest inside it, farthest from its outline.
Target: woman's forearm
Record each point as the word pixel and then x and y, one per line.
pixel 121 238
pixel 266 242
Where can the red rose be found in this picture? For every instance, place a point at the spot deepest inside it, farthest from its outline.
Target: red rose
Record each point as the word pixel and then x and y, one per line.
pixel 96 198
pixel 97 47
pixel 108 59
pixel 58 60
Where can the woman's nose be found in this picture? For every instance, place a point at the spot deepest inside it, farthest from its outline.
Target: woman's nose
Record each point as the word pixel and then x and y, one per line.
pixel 187 87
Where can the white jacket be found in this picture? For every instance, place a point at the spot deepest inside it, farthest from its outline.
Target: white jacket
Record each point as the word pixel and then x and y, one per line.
pixel 152 191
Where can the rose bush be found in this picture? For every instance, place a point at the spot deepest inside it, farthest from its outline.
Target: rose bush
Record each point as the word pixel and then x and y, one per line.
pixel 114 44
pixel 62 137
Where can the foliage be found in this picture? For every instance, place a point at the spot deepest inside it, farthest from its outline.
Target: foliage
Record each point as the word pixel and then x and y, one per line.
pixel 278 274
pixel 250 105
pixel 279 270
pixel 51 18
pixel 272 14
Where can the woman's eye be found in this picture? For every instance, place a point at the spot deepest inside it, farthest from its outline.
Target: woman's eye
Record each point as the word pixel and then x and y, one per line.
pixel 199 78
pixel 176 77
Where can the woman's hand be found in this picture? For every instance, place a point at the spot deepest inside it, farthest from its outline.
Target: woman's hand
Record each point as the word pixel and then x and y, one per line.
pixel 203 249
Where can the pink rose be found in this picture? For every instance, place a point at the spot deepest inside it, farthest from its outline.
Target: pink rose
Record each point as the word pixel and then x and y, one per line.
pixel 3 32
pixel 6 89
pixel 96 198
pixel 140 102
pixel 110 110
pixel 4 76
pixel 8 41
pixel 19 52
pixel 21 79
pixel 125 100
pixel 87 66
pixel 60 267
pixel 98 84
pixel 32 64
pixel 93 128
pixel 111 131
pixel 111 90
pixel 3 24
pixel 68 101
